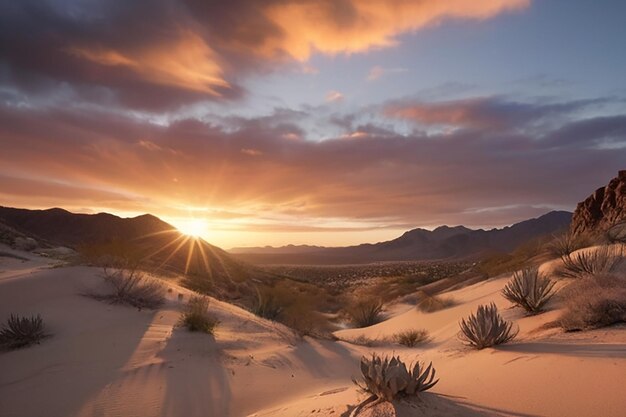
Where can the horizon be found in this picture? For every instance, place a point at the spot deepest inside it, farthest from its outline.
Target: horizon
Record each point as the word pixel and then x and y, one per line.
pixel 317 123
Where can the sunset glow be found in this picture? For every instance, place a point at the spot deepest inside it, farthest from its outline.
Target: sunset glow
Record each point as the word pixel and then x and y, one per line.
pixel 192 227
pixel 318 122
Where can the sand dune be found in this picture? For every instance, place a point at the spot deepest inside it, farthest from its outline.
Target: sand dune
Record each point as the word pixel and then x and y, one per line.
pixel 105 360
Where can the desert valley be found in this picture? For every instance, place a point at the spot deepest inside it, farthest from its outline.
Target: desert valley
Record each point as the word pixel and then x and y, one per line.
pixel 288 340
pixel 312 208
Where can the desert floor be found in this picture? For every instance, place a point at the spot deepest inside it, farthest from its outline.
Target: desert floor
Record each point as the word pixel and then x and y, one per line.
pixel 110 360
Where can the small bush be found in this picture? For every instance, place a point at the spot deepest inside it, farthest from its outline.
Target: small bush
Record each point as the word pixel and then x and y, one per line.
pixel 486 328
pixel 268 304
pixel 363 340
pixel 387 379
pixel 432 303
pixel 567 243
pixel 594 301
pixel 133 288
pixel 602 260
pixel 411 338
pixel 196 317
pixel 20 332
pixel 365 312
pixel 529 289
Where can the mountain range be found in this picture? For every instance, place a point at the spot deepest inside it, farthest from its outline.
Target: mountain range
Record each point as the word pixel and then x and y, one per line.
pixel 443 242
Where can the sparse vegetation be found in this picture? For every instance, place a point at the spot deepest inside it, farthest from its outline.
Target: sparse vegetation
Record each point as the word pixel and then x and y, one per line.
pixel 601 260
pixel 411 338
pixel 567 243
pixel 389 378
pixel 529 289
pixel 268 303
pixel 196 317
pixel 486 328
pixel 365 312
pixel 363 340
pixel 431 303
pixel 20 332
pixel 132 287
pixel 594 301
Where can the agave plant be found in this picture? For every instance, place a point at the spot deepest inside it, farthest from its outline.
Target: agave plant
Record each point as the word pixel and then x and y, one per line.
pixel 603 260
pixel 22 331
pixel 529 289
pixel 486 328
pixel 388 378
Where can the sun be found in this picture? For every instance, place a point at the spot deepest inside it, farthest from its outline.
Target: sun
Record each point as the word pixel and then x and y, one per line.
pixel 192 227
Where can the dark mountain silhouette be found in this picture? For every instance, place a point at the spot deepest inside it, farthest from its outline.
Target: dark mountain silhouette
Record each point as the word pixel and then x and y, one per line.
pixel 160 247
pixel 419 244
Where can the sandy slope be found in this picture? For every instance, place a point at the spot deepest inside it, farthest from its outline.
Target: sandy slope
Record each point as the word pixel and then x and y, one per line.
pixel 105 360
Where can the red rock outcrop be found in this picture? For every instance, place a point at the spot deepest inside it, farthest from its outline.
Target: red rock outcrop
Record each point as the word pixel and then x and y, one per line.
pixel 603 209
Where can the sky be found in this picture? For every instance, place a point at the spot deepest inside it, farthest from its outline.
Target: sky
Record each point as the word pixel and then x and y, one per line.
pixel 273 122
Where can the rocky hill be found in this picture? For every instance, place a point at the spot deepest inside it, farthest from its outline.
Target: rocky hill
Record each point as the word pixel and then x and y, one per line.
pixel 602 209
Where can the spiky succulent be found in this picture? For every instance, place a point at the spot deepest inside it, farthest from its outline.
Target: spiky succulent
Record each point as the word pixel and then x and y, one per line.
pixel 388 378
pixel 22 331
pixel 529 289
pixel 486 328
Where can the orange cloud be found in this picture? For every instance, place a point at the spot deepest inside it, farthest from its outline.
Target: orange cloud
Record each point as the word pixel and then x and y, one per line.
pixel 356 26
pixel 186 62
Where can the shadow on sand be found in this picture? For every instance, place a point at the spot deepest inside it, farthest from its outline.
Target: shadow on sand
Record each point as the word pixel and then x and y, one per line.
pixel 432 405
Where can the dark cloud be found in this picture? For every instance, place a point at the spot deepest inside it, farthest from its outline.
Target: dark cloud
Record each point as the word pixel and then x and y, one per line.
pixel 158 54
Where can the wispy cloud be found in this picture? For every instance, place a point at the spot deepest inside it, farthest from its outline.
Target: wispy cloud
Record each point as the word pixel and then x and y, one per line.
pixel 377 72
pixel 333 95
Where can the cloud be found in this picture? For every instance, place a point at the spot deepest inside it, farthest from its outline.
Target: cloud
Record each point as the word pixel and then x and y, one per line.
pixel 333 95
pixel 378 176
pixel 377 72
pixel 159 54
pixel 483 112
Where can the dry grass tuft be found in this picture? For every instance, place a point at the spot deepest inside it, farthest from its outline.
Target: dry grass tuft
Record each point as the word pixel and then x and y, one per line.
pixel 196 317
pixel 567 243
pixel 529 289
pixel 486 328
pixel 132 287
pixel 365 312
pixel 594 301
pixel 411 338
pixel 20 332
pixel 431 303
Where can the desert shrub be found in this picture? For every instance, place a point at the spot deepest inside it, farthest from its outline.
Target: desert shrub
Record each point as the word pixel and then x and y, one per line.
pixel 268 303
pixel 432 303
pixel 132 287
pixel 196 317
pixel 305 320
pixel 594 301
pixel 389 378
pixel 567 243
pixel 411 338
pixel 486 328
pixel 21 331
pixel 363 340
pixel 602 260
pixel 365 312
pixel 529 289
